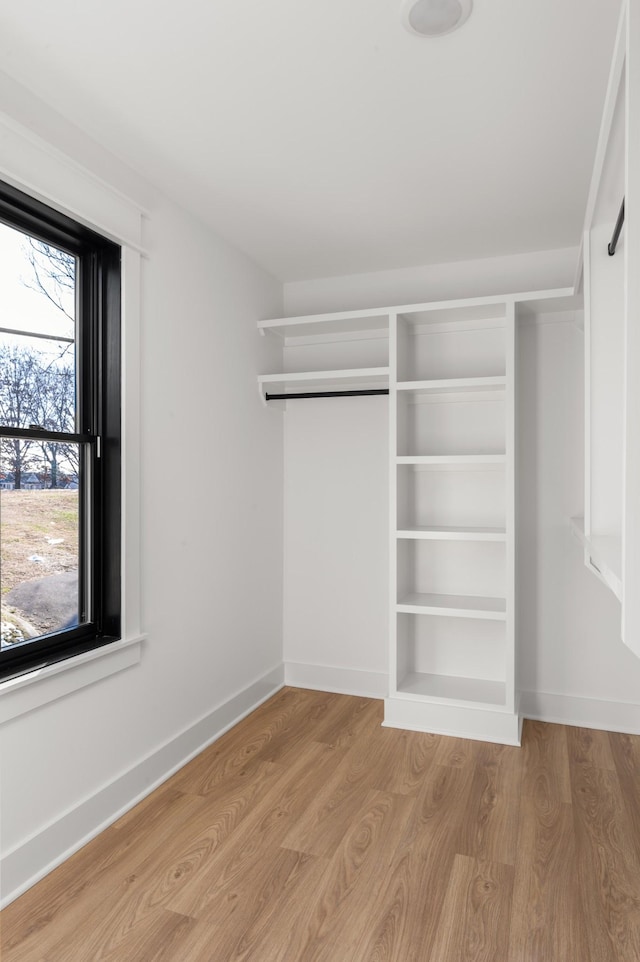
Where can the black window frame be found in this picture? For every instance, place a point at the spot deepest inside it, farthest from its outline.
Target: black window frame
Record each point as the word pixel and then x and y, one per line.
pixel 99 429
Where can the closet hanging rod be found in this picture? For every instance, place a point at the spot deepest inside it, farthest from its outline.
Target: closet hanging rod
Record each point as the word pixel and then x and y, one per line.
pixel 616 231
pixel 316 394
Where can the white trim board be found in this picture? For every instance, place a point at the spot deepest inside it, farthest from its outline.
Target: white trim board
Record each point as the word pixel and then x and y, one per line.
pixel 27 692
pixel 341 681
pixel 500 727
pixel 38 855
pixel 33 165
pixel 581 712
pixel 550 707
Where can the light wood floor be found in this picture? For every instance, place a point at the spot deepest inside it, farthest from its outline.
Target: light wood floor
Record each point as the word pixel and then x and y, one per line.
pixel 309 832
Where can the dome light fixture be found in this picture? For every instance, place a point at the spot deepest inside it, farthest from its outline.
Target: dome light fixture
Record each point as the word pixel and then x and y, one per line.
pixel 435 18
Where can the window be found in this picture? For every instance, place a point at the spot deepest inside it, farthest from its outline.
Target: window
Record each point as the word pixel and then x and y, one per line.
pixel 60 500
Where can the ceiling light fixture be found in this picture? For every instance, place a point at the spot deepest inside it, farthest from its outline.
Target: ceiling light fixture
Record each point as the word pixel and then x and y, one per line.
pixel 434 18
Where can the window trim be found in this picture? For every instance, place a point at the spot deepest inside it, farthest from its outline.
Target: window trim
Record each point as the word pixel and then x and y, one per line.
pixel 43 160
pixel 99 431
pixel 24 693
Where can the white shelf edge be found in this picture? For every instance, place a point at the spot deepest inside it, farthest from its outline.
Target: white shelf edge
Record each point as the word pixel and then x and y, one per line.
pixel 418 397
pixel 350 374
pixel 419 327
pixel 335 338
pixel 450 533
pixel 377 312
pixel 425 685
pixel 324 318
pixel 339 324
pixel 457 384
pixel 454 606
pixel 453 459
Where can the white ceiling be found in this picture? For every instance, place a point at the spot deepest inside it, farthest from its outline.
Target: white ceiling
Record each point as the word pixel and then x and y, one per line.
pixel 321 137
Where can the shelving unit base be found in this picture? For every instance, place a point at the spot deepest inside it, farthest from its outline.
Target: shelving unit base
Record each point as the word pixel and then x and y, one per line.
pixel 501 727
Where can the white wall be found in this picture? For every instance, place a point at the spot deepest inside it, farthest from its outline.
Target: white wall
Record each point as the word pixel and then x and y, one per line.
pixel 211 527
pixel 336 608
pixel 212 557
pixel 572 664
pixel 432 282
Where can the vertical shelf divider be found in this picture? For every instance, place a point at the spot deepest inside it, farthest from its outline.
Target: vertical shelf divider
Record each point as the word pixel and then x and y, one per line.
pixel 510 507
pixel 393 500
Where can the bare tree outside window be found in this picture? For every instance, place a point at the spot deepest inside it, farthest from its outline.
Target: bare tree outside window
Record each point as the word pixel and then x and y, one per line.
pixel 38 390
pixel 53 274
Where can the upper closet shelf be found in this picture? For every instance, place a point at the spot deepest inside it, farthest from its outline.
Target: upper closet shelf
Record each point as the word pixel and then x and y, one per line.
pixel 455 315
pixel 345 322
pixel 472 311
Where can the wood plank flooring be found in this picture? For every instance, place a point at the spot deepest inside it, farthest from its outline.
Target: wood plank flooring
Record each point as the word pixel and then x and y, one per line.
pixel 308 833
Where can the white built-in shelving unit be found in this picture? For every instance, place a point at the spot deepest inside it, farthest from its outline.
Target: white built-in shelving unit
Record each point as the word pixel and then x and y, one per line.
pixel 450 371
pixel 452 661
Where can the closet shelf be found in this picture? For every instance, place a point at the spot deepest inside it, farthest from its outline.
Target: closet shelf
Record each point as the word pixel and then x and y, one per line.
pixel 453 460
pixel 450 533
pixel 454 606
pixel 342 380
pixel 344 322
pixel 473 314
pixel 468 692
pixel 455 385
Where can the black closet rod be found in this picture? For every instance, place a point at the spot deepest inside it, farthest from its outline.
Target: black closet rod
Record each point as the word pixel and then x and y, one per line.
pixel 616 231
pixel 292 397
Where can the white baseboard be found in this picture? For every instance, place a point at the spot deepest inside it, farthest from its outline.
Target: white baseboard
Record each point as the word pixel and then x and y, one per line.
pixel 612 716
pixel 30 861
pixel 539 706
pixel 343 681
pixel 484 725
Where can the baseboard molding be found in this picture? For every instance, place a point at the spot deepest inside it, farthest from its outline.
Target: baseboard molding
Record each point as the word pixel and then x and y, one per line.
pixel 502 727
pixel 342 681
pixel 26 864
pixel 612 716
pixel 539 706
